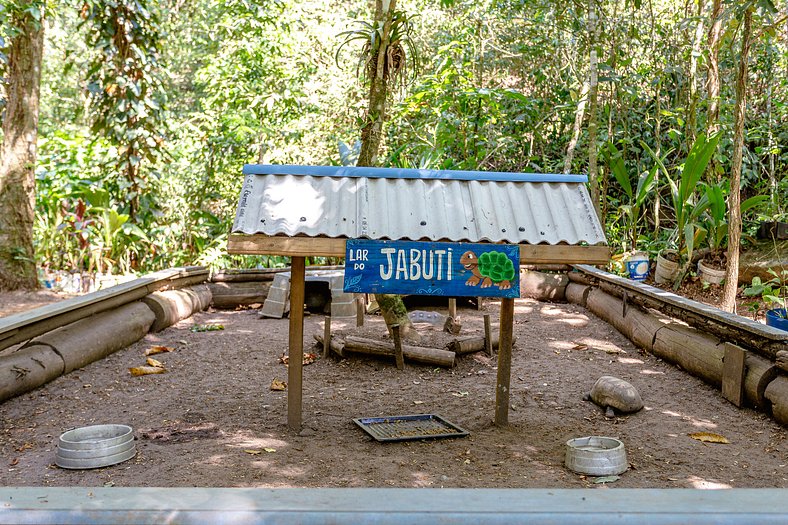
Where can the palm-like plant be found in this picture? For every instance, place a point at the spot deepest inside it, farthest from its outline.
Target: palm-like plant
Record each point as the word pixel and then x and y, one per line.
pixel 400 49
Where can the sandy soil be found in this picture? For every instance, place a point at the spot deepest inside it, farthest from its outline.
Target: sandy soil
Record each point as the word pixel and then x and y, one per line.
pixel 212 419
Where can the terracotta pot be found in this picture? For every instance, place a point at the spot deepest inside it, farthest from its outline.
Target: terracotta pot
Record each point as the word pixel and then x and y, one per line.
pixel 710 275
pixel 666 270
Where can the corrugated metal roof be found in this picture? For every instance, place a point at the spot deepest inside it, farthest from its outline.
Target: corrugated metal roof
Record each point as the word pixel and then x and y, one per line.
pixel 437 208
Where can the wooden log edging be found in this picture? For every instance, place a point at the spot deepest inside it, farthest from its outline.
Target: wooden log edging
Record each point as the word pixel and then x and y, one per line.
pixel 696 351
pixel 71 347
pixel 171 306
pixel 24 326
pixel 759 338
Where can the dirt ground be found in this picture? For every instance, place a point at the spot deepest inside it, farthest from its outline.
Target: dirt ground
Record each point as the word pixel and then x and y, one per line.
pixel 212 419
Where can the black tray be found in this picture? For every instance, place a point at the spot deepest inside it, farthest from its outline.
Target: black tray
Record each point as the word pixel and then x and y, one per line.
pixel 404 428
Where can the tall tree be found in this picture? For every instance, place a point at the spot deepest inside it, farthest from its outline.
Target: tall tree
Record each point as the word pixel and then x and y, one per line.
pixel 126 89
pixel 385 59
pixel 593 103
pixel 728 301
pixel 18 152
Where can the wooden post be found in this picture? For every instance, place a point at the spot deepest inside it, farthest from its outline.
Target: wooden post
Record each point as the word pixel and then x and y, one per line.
pixel 733 373
pixel 452 307
pixel 327 336
pixel 504 363
pixel 487 335
pixel 360 307
pixel 400 359
pixel 296 343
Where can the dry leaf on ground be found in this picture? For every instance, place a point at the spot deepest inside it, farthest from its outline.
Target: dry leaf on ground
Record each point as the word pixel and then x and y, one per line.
pixel 158 349
pixel 709 437
pixel 154 362
pixel 308 359
pixel 278 384
pixel 147 370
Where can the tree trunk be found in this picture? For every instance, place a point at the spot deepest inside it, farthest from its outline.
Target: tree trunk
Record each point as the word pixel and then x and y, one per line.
pixel 392 307
pixel 579 114
pixel 372 131
pixel 692 112
pixel 593 96
pixel 713 82
pixel 18 154
pixel 734 199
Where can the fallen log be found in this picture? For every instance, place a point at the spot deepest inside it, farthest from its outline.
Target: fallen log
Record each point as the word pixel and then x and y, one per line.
pixel 28 368
pixel 777 394
pixel 337 345
pixel 418 354
pixel 473 343
pixel 93 338
pixel 610 309
pixel 172 306
pixel 644 325
pixel 697 353
pixel 577 293
pixel 246 276
pixel 782 360
pixel 543 286
pixel 232 294
pixel 703 317
pixel 760 372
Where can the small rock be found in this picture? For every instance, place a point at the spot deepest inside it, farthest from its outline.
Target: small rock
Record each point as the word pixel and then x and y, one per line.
pixel 307 432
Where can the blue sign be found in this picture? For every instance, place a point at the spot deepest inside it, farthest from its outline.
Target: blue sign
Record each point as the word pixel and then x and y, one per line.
pixel 432 268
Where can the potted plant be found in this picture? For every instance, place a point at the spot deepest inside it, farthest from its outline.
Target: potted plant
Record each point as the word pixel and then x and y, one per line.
pixel 775 295
pixel 714 222
pixel 687 207
pixel 637 263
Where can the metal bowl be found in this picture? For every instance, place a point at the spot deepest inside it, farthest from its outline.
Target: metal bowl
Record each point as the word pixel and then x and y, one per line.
pixel 596 456
pixel 95 446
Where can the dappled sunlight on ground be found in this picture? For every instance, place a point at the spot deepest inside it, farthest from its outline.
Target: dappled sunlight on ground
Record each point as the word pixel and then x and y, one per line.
pixel 699 423
pixel 630 361
pixel 700 483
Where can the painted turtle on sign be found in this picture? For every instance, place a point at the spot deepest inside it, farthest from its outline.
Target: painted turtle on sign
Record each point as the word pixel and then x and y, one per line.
pixel 489 268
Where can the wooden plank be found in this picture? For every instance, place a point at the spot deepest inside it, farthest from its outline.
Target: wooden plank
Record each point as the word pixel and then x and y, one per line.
pixel 296 344
pixel 398 357
pixel 733 373
pixel 360 309
pixel 504 363
pixel 452 307
pixel 487 335
pixel 327 336
pixel 335 247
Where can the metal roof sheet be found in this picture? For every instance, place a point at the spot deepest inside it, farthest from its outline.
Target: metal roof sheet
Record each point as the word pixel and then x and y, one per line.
pixel 434 208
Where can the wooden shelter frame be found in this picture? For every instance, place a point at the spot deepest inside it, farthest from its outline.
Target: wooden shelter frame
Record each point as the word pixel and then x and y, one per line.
pixel 300 247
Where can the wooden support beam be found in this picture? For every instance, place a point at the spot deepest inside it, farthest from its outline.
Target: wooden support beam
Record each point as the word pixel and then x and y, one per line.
pixel 487 335
pixel 240 243
pixel 361 308
pixel 733 373
pixel 504 363
pixel 296 344
pixel 327 336
pixel 398 357
pixel 452 307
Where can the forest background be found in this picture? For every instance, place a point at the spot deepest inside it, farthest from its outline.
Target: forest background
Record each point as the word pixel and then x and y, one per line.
pixel 147 111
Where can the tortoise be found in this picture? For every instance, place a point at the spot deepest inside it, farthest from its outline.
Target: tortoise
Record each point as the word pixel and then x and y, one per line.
pixel 489 268
pixel 613 393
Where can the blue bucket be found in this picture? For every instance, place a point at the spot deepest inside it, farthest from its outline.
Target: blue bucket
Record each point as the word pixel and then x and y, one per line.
pixel 638 266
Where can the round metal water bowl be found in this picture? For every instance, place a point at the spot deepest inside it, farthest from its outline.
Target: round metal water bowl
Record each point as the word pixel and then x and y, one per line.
pixel 596 456
pixel 95 446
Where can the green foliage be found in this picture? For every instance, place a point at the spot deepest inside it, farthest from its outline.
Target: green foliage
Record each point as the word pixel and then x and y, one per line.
pixel 498 87
pixel 630 212
pixel 773 291
pixel 126 90
pixel 687 206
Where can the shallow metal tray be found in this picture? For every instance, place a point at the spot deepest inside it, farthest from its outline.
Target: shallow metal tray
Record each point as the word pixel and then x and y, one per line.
pixel 404 428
